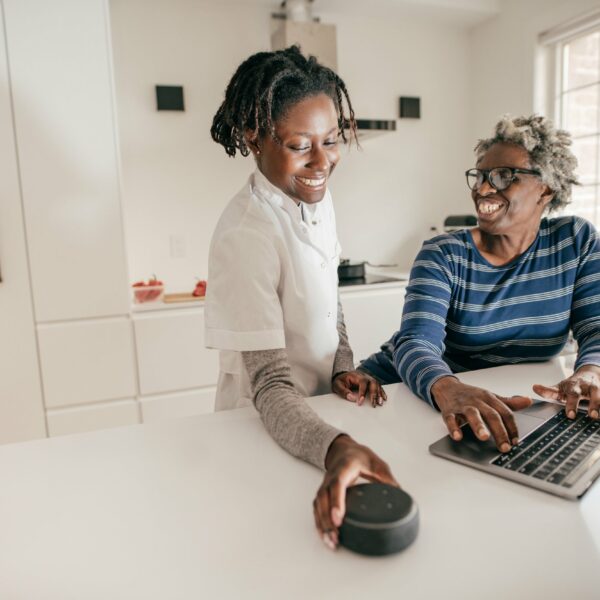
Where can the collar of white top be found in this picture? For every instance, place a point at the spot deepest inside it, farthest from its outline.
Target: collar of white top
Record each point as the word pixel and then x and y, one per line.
pixel 270 192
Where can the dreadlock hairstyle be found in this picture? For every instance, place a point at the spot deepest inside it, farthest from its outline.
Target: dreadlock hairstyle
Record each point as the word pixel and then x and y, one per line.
pixel 265 86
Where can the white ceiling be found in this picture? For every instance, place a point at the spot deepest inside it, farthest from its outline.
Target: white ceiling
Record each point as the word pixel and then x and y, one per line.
pixel 465 12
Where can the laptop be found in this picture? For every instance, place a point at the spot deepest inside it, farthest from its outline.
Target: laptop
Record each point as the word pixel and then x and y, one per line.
pixel 556 454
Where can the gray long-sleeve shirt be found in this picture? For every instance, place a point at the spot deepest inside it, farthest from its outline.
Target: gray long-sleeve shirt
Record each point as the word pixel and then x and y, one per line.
pixel 287 417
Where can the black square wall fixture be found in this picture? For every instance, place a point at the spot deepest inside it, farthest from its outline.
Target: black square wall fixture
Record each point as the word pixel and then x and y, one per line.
pixel 410 107
pixel 169 97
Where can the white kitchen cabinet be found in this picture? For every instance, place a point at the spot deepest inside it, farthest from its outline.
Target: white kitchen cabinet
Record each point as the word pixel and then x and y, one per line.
pixel 21 406
pixel 61 81
pixel 372 313
pixel 62 421
pixel 62 252
pixel 178 375
pixel 171 352
pixel 181 404
pixel 87 361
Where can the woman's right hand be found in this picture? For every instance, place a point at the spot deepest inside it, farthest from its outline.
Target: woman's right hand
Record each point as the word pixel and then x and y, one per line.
pixel 484 411
pixel 345 462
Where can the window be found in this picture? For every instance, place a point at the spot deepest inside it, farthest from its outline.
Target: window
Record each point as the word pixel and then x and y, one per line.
pixel 577 109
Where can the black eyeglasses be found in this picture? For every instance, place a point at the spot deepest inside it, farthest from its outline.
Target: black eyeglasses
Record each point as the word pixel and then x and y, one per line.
pixel 499 178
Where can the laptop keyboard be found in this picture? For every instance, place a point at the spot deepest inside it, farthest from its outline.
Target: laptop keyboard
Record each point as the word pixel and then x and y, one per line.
pixel 558 452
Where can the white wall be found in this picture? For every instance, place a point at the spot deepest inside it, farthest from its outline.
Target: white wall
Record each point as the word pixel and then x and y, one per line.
pixel 177 181
pixel 389 194
pixel 506 60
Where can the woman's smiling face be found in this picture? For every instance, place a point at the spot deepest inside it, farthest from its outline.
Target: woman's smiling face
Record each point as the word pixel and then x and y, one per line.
pixel 303 157
pixel 520 206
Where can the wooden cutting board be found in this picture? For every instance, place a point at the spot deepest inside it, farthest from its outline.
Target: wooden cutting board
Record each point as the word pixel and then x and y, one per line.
pixel 182 297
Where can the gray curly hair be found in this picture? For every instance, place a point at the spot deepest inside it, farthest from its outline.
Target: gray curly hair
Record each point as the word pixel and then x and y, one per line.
pixel 548 148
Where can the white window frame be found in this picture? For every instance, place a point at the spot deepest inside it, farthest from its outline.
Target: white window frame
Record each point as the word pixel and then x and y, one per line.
pixel 553 42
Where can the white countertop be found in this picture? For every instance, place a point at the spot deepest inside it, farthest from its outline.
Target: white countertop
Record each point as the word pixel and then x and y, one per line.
pixel 209 507
pixel 401 280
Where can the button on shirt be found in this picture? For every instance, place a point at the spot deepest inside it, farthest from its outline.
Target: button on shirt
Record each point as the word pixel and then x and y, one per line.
pixel 273 284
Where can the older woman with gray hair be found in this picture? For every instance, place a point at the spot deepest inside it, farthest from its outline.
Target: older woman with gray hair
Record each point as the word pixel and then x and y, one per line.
pixel 504 292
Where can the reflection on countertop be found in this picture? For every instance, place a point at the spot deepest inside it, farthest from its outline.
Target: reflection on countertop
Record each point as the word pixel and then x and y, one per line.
pixel 368 279
pixel 376 277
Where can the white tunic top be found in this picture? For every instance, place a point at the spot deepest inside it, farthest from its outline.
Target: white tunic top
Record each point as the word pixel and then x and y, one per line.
pixel 272 283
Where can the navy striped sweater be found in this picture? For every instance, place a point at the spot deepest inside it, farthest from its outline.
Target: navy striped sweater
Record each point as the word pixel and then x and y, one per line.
pixel 462 313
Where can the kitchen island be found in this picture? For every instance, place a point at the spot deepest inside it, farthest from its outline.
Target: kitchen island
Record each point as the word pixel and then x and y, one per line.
pixel 210 507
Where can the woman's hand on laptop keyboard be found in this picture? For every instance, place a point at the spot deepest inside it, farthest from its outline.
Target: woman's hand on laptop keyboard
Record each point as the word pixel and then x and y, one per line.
pixel 485 412
pixel 584 385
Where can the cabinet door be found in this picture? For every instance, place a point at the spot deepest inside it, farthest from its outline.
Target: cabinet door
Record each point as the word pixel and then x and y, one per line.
pixel 21 407
pixel 180 404
pixel 87 361
pixel 171 352
pixel 59 59
pixel 372 316
pixel 78 419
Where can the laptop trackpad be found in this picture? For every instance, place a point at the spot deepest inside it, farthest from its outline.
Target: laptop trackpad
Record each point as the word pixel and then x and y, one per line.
pixel 473 450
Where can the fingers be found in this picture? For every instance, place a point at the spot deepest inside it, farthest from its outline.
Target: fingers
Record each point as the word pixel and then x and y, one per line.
pixel 380 472
pixel 476 423
pixel 503 408
pixel 517 402
pixel 376 394
pixel 572 393
pixel 373 394
pixel 486 413
pixel 582 385
pixel 350 461
pixel 356 386
pixel 345 385
pixel 338 500
pixel 594 397
pixel 548 392
pixel 453 427
pixel 322 514
pixel 499 430
pixel 362 389
pixel 329 506
pixel 342 389
pixel 575 390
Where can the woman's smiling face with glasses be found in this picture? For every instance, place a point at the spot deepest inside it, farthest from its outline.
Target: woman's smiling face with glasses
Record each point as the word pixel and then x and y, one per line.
pixel 508 194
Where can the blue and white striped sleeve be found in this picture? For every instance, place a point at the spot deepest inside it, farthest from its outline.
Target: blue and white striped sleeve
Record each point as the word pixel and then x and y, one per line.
pixel 419 345
pixel 585 310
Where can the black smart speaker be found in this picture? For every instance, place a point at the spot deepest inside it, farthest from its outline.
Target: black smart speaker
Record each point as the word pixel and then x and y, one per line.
pixel 380 519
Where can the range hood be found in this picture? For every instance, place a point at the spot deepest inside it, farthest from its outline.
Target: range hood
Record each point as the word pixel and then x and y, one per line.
pixel 295 23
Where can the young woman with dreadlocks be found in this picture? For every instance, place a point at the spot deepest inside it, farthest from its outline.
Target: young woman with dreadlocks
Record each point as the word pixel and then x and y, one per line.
pixel 272 307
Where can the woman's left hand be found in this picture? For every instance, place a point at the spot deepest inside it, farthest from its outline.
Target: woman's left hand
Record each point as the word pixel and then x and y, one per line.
pixel 355 386
pixel 584 384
